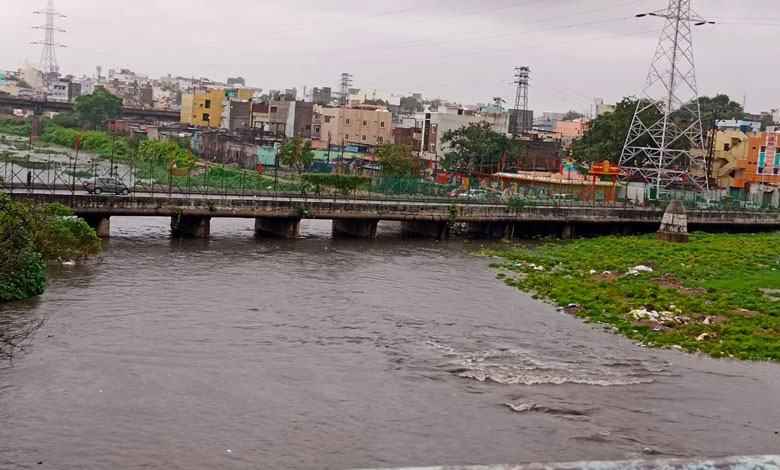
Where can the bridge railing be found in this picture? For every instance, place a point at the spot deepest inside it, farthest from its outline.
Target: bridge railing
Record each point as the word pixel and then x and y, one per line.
pixel 55 171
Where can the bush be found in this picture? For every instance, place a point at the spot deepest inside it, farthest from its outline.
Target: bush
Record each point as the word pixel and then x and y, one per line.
pixel 344 184
pixel 32 235
pixel 14 126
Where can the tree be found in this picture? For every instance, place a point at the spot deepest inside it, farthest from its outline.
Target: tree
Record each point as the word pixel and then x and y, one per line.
pixel 719 107
pixel 397 160
pixel 411 104
pixel 475 147
pixel 70 121
pixel 23 84
pixel 297 154
pixel 98 108
pixel 767 120
pixel 376 103
pixel 572 115
pixel 608 133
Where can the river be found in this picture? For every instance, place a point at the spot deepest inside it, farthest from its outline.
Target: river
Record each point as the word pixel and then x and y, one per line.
pixel 236 353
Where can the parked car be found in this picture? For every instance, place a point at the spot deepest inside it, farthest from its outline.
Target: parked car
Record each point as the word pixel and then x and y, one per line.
pixel 708 204
pixel 106 185
pixel 559 198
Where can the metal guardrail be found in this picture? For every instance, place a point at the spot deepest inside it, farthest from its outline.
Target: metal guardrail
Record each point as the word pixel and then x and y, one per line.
pixel 24 174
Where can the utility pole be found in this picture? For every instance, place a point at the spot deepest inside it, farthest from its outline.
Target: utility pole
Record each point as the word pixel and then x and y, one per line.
pixel 48 64
pixel 522 75
pixel 346 82
pixel 671 92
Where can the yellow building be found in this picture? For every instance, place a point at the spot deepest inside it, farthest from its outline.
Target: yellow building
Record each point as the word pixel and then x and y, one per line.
pixel 205 110
pixel 729 147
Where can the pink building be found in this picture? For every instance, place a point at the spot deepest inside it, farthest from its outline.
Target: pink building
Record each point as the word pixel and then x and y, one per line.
pixel 572 129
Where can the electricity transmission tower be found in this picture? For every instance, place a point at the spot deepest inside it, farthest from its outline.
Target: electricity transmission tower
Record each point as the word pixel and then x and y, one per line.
pixel 346 82
pixel 522 75
pixel 48 63
pixel 665 144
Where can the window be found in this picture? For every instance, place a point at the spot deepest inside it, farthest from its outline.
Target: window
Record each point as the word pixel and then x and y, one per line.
pixel 382 124
pixel 763 149
pixel 776 171
pixel 308 127
pixel 327 119
pixel 365 123
pixel 317 129
pixel 346 121
pixel 364 138
pixel 206 117
pixel 726 147
pixel 208 104
pixel 274 109
pixel 433 148
pixel 435 128
pixel 760 170
pixel 346 136
pixel 381 139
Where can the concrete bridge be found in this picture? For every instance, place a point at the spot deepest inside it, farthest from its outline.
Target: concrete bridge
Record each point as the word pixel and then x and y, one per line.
pixel 39 107
pixel 280 216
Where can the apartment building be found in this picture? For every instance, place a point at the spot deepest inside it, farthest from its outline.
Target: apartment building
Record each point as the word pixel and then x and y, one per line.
pixel 206 110
pixel 436 123
pixel 361 125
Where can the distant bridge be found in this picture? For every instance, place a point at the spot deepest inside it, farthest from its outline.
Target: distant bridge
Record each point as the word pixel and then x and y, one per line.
pixel 280 214
pixel 39 107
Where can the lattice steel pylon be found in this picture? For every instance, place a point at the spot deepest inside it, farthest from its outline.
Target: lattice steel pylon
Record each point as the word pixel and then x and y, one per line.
pixel 665 142
pixel 48 62
pixel 522 74
pixel 346 82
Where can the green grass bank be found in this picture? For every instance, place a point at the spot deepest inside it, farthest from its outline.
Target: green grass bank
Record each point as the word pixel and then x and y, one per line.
pixel 718 294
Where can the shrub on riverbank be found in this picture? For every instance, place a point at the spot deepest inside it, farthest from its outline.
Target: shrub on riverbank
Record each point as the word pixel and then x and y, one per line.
pixel 31 236
pixel 713 295
pixel 14 126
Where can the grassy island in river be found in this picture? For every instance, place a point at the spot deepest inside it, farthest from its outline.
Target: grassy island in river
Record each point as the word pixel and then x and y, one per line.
pixel 719 294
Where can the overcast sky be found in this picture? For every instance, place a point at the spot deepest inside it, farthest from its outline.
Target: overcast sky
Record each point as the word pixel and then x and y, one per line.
pixel 464 50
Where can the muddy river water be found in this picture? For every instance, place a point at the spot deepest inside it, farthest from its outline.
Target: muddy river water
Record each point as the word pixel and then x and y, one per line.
pixel 236 353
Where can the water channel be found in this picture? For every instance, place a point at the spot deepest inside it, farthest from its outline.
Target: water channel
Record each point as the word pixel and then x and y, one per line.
pixel 236 353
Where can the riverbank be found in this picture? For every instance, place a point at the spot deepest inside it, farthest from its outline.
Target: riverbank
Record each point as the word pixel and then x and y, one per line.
pixel 31 236
pixel 718 294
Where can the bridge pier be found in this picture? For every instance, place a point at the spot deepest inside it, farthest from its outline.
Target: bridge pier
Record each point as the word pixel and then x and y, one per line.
pixel 194 226
pixel 101 224
pixel 37 125
pixel 355 228
pixel 437 230
pixel 567 232
pixel 491 229
pixel 277 227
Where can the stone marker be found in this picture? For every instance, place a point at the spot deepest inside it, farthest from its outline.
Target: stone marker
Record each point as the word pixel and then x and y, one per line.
pixel 674 226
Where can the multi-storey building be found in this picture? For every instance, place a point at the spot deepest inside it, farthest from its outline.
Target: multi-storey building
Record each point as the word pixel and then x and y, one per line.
pixel 436 123
pixel 361 125
pixel 206 110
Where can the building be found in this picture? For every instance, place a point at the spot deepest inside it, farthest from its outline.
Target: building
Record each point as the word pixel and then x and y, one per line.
pixel 64 90
pixel 547 121
pixel 321 96
pixel 570 130
pixel 600 108
pixel 408 133
pixel 206 109
pixel 363 125
pixel 237 82
pixel 520 120
pixel 747 163
pixel 436 124
pixel 739 125
pixel 236 115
